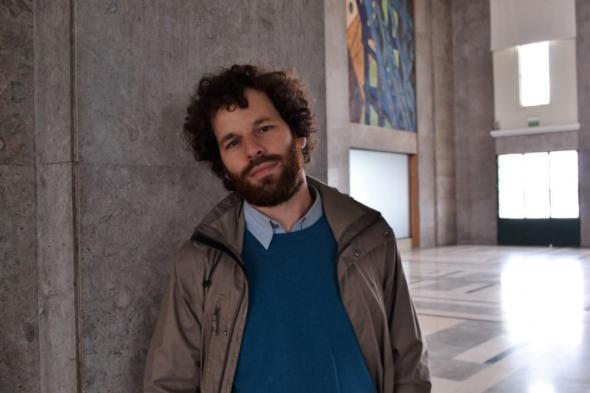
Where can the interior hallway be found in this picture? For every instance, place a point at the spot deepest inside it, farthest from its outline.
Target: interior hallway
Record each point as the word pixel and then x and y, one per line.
pixel 504 319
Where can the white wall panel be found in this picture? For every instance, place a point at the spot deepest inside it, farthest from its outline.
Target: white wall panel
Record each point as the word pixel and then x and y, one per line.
pixel 382 181
pixel 518 22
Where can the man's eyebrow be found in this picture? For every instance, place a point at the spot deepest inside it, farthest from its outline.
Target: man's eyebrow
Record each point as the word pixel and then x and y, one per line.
pixel 255 124
pixel 260 120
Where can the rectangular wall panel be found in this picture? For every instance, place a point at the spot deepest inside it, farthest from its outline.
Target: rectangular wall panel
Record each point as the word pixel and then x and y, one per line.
pixel 382 181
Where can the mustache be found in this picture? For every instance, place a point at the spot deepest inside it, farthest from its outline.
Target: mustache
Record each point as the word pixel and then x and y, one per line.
pixel 258 161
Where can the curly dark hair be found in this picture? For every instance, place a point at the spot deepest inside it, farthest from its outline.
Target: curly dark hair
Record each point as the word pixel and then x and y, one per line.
pixel 226 90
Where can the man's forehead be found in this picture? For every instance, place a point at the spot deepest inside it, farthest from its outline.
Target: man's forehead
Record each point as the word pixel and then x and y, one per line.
pixel 241 117
pixel 259 108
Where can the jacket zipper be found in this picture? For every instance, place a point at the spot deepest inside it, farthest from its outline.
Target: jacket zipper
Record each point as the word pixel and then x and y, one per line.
pixel 231 338
pixel 202 238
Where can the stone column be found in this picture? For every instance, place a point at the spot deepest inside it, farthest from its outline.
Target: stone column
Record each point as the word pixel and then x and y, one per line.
pixel 475 158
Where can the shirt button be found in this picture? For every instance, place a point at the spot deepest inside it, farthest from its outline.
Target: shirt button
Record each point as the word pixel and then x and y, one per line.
pixel 386 233
pixel 357 252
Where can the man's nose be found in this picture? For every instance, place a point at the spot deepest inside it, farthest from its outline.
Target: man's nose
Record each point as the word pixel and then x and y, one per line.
pixel 253 148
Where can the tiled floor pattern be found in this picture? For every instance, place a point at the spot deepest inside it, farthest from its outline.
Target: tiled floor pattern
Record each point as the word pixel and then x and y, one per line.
pixel 504 319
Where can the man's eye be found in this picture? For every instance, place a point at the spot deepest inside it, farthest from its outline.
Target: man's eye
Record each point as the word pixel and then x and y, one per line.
pixel 231 144
pixel 264 129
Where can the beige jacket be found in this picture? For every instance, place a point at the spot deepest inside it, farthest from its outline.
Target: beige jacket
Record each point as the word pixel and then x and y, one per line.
pixel 197 340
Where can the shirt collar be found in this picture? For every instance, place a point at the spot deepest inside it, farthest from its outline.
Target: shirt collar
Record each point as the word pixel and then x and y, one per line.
pixel 263 228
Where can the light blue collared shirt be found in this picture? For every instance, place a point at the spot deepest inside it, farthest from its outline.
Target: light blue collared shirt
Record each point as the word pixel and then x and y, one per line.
pixel 263 227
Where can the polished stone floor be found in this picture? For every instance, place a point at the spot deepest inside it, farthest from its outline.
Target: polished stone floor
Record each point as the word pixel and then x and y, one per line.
pixel 504 319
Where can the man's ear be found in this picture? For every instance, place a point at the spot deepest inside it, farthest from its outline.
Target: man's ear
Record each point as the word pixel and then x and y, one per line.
pixel 301 142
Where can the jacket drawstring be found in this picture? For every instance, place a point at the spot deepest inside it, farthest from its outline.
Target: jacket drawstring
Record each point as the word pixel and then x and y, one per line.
pixel 221 248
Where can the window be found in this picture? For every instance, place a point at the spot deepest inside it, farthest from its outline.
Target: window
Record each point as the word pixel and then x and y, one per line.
pixel 538 185
pixel 564 184
pixel 510 189
pixel 533 72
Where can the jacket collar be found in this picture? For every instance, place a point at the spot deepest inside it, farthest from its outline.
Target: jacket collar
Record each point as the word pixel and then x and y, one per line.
pixel 225 223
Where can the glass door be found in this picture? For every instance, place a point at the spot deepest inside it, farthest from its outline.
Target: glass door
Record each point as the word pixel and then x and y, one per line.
pixel 538 199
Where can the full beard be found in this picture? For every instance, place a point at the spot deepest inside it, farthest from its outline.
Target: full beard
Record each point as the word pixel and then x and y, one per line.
pixel 271 191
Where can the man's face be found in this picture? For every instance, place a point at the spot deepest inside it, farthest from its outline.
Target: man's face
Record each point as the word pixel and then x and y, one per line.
pixel 260 155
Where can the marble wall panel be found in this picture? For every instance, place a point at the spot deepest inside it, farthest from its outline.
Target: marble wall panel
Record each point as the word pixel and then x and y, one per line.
pixel 426 123
pixel 337 106
pixel 19 338
pixel 132 219
pixel 444 152
pixel 54 81
pixel 473 119
pixel 19 360
pixel 539 142
pixel 446 221
pixel 139 62
pixel 54 98
pixel 382 139
pixel 56 283
pixel 16 83
pixel 435 122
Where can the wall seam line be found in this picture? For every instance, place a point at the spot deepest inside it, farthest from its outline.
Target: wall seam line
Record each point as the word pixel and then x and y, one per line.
pixel 75 189
pixel 36 191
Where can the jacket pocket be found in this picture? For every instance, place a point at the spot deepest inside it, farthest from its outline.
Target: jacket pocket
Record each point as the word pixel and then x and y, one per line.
pixel 214 350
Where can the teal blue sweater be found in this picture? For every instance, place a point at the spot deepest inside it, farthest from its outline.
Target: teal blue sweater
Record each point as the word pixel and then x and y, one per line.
pixel 298 337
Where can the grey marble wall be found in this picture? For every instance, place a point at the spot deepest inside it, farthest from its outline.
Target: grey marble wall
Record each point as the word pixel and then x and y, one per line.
pixel 537 142
pixel 444 150
pixel 426 124
pixel 56 166
pixel 19 337
pixel 473 119
pixel 583 70
pixel 436 146
pixel 19 364
pixel 97 189
pixel 140 191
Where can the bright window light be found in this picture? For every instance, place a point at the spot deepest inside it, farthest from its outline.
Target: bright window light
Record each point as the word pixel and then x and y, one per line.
pixel 510 185
pixel 533 69
pixel 564 184
pixel 538 185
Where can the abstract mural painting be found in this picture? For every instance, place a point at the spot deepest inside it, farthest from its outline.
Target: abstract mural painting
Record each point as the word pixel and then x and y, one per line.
pixel 381 67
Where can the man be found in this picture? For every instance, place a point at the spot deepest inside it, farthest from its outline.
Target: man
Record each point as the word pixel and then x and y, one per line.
pixel 286 285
